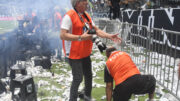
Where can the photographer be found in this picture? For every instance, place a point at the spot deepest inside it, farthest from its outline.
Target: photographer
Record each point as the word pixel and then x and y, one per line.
pixel 75 28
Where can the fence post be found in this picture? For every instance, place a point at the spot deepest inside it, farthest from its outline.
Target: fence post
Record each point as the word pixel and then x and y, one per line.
pixel 148 45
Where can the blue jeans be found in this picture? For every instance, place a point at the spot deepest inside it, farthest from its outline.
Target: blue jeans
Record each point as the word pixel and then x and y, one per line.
pixel 80 68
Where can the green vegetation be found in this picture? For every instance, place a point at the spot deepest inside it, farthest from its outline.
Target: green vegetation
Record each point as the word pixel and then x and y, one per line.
pixel 98 93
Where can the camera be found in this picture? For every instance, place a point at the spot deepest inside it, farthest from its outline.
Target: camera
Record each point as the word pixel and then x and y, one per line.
pixel 99 43
pixel 101 46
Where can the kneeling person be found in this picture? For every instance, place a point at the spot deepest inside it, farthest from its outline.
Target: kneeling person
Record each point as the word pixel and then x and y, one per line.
pixel 128 79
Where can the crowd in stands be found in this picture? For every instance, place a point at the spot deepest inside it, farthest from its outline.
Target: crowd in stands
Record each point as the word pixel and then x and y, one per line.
pixel 114 7
pixel 135 4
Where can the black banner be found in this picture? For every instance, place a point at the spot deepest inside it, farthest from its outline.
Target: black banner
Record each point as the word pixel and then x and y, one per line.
pixel 163 19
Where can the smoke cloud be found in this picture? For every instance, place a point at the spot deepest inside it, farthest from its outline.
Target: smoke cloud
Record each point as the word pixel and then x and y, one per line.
pixel 44 25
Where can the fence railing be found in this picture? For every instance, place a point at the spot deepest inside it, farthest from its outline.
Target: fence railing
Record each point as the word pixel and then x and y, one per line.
pixel 155 51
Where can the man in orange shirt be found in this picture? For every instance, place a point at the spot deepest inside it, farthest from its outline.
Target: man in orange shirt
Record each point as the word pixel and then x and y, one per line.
pixel 127 77
pixel 75 31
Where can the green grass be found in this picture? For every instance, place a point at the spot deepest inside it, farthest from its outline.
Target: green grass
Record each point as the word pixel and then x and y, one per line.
pixel 97 93
pixel 100 80
pixel 143 97
pixel 56 68
pixel 43 92
pixel 7 26
pixel 51 81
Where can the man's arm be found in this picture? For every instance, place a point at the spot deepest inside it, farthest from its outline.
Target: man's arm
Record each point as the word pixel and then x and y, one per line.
pixel 103 34
pixel 109 89
pixel 65 35
pixel 109 84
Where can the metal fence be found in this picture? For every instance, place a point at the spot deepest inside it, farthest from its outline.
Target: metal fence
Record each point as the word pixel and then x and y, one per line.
pixel 155 51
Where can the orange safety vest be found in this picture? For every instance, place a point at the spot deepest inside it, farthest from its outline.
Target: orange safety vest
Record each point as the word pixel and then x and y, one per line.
pixel 121 66
pixel 79 49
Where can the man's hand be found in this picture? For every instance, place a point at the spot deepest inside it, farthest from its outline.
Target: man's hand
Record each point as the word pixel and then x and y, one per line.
pixel 86 36
pixel 115 38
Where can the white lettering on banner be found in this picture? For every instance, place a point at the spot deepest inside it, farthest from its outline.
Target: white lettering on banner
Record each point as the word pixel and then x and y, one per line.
pixel 165 39
pixel 140 19
pixel 130 13
pixel 169 13
pixel 151 20
pixel 163 42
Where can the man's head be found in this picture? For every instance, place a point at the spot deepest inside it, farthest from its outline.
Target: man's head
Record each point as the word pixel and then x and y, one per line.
pixel 109 50
pixel 80 5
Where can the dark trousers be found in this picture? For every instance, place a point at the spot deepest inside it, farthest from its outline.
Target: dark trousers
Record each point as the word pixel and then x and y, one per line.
pixel 116 8
pixel 137 84
pixel 80 68
pixel 116 12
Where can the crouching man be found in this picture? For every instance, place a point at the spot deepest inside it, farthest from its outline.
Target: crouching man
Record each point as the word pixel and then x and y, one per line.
pixel 128 79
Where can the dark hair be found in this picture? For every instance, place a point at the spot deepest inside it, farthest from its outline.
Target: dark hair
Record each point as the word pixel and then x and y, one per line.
pixel 109 50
